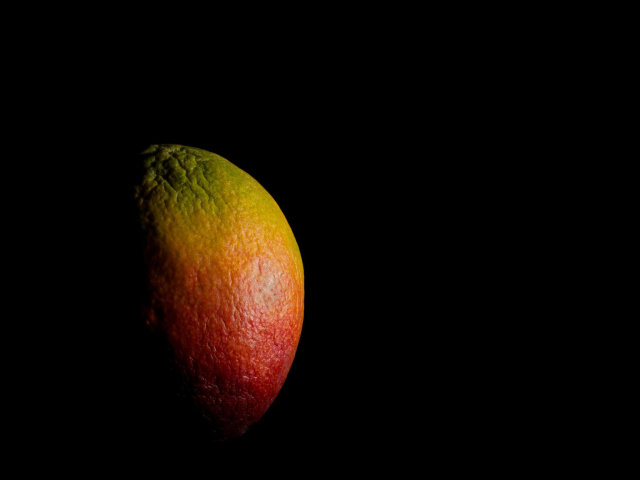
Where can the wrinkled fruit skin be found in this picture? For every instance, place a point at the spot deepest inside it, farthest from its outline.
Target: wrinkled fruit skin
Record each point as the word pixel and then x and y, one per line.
pixel 224 280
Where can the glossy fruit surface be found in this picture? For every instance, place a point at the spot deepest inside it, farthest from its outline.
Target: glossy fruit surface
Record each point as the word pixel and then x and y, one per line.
pixel 224 280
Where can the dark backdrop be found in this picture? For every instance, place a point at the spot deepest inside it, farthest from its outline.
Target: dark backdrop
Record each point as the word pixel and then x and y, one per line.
pixel 413 165
pixel 387 210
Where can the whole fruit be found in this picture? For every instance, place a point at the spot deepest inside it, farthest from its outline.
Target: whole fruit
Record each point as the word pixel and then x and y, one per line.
pixel 225 284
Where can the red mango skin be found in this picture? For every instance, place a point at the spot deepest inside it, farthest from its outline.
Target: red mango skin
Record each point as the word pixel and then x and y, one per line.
pixel 225 283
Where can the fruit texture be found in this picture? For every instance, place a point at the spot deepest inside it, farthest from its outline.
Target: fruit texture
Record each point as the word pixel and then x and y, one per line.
pixel 225 285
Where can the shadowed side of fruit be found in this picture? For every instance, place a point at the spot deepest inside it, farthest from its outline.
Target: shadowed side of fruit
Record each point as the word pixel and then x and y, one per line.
pixel 224 285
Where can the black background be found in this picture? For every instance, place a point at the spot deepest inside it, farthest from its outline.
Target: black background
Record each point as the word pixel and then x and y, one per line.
pixel 413 159
pixel 392 214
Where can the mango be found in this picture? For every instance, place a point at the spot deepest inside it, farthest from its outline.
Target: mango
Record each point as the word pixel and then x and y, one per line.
pixel 224 284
